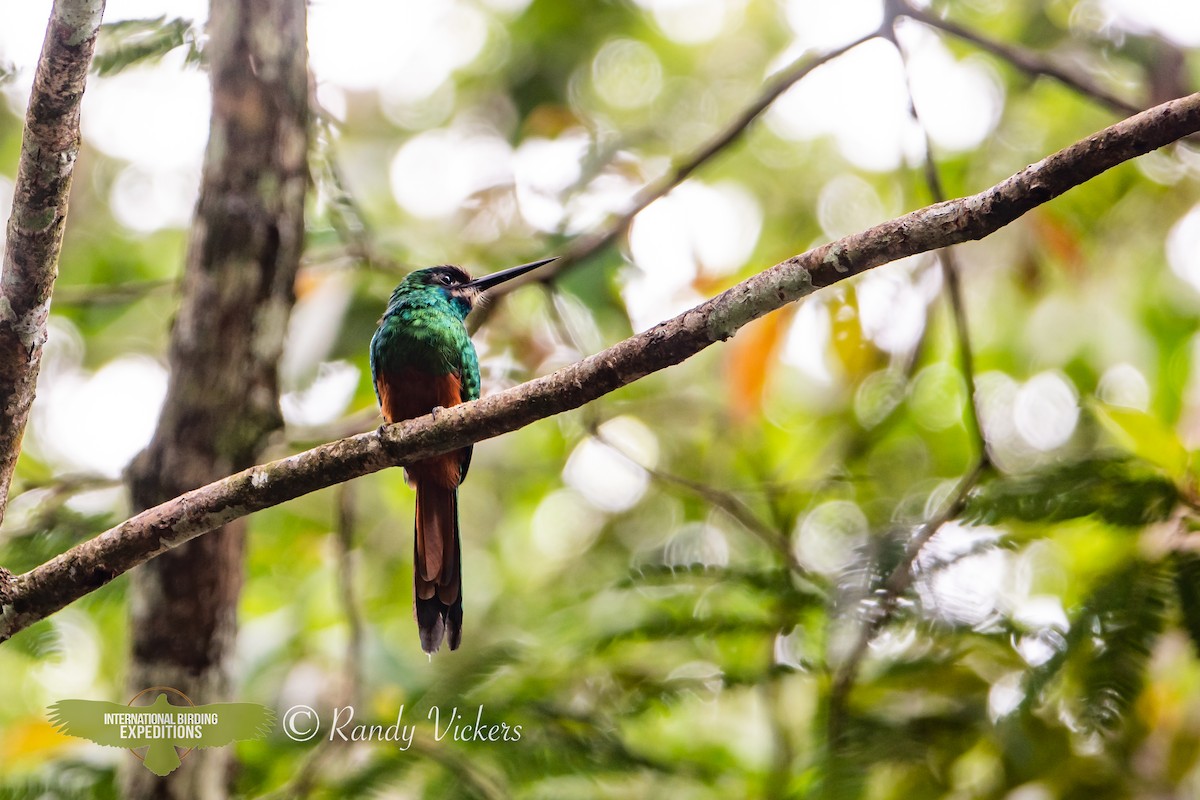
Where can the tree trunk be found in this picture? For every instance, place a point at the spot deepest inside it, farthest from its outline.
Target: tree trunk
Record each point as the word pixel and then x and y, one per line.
pixel 222 398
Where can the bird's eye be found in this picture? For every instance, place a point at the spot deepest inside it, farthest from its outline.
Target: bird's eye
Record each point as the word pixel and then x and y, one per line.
pixel 444 280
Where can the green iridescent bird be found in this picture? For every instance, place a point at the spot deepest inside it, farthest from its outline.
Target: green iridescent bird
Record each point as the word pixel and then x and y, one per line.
pixel 422 359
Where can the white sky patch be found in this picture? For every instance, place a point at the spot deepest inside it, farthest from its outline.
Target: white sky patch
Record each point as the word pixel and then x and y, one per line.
pixel 861 100
pixel 696 228
pixel 605 477
pixel 71 669
pixel 1046 410
pixel 848 204
pixel 891 310
pixel 565 525
pixel 697 543
pixel 313 326
pixel 997 395
pixel 1023 422
pixel 332 100
pixel 607 194
pixel 1183 247
pixel 807 344
pixel 1039 646
pixel 194 10
pixel 434 173
pixel 416 115
pixel 1041 611
pixel 99 421
pixel 937 397
pixel 822 25
pixel 828 537
pixel 959 101
pixel 1124 385
pixel 6 198
pixel 1006 695
pixel 1177 20
pixel 694 21
pixel 21 38
pixel 962 586
pixel 409 46
pixel 626 73
pixel 156 116
pixel 145 200
pixel 511 7
pixel 326 399
pixel 543 170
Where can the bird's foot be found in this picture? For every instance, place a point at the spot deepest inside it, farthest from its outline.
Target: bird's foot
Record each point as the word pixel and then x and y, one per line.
pixel 434 412
pixel 381 432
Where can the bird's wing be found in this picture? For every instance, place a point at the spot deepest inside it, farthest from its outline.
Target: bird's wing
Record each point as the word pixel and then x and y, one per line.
pixel 375 363
pixel 469 375
pixel 235 721
pixel 85 719
pixel 468 371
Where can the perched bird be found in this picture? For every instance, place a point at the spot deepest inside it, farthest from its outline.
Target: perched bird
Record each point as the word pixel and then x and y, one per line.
pixel 422 359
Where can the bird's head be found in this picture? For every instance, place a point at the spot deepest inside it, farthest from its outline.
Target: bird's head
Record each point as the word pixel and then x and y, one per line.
pixel 456 285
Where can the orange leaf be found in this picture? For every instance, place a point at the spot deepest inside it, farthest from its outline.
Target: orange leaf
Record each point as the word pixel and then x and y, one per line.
pixel 749 359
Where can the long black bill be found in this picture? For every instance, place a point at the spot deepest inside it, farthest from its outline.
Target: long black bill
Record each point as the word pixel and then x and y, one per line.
pixel 497 278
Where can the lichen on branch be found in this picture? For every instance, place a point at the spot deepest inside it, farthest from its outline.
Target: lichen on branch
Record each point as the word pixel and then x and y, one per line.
pixel 49 146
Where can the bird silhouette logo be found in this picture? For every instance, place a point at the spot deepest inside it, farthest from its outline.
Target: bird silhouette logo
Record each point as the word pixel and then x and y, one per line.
pixel 162 728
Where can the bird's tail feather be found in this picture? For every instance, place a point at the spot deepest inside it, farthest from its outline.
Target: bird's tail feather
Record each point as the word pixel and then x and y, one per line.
pixel 437 567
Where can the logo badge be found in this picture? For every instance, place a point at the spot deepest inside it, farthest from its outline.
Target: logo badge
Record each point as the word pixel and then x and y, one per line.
pixel 167 731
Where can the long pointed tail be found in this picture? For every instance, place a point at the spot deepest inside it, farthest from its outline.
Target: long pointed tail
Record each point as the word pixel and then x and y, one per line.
pixel 437 566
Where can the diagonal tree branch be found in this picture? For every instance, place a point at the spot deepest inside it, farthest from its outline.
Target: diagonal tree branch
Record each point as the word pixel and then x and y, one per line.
pixel 28 598
pixel 39 213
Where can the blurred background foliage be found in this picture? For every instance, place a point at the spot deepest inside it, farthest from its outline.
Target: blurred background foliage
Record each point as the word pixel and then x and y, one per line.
pixel 681 590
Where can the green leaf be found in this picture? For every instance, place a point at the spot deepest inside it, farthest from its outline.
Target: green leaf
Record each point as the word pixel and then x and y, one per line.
pixel 1145 437
pixel 1187 588
pixel 1108 647
pixel 1119 491
pixel 135 41
pixel 1125 617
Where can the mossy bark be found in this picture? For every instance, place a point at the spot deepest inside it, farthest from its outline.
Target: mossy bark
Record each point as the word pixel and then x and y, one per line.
pixel 223 398
pixel 49 146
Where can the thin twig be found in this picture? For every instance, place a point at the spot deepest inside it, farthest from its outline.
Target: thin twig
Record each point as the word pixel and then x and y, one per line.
pixel 881 607
pixel 1022 59
pixel 111 294
pixel 731 504
pixel 54 496
pixel 950 275
pixel 346 216
pixel 587 246
pixel 352 667
pixel 902 575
